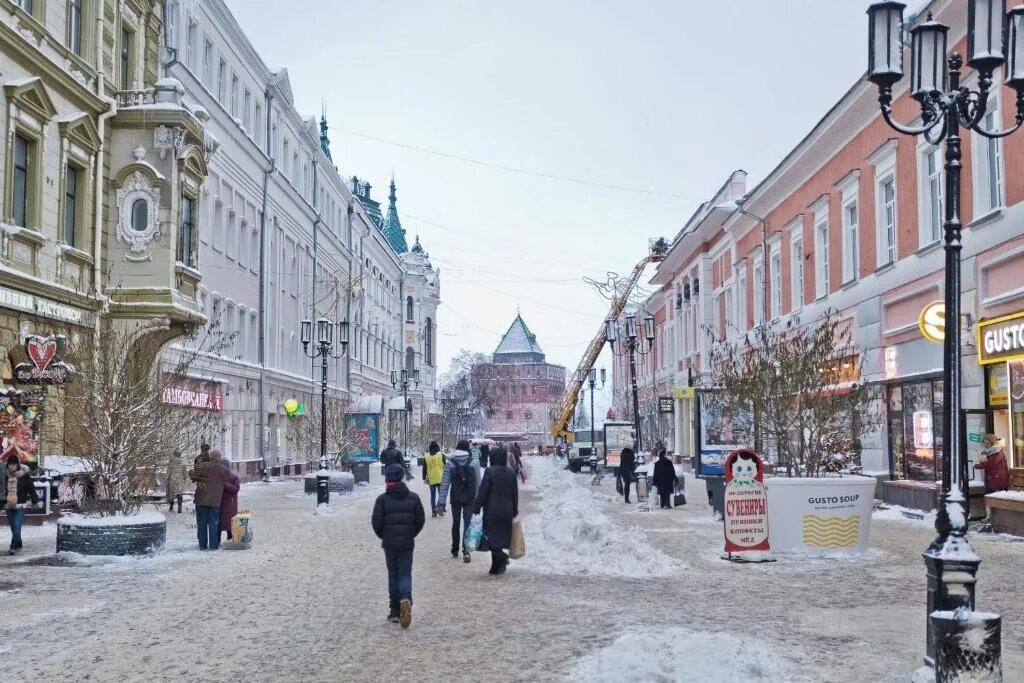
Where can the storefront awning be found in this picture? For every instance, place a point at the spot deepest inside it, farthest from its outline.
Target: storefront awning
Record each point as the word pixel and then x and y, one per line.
pixel 372 405
pixel 396 403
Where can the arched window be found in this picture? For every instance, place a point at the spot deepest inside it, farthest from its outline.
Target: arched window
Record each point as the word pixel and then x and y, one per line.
pixel 410 359
pixel 408 310
pixel 428 343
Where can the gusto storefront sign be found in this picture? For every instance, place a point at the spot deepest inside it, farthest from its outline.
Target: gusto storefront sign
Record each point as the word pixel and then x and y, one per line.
pixel 1001 339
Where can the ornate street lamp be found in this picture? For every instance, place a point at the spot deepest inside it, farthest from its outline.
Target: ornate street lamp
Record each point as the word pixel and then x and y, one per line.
pixel 404 379
pixel 631 344
pixel 591 379
pixel 994 37
pixel 323 349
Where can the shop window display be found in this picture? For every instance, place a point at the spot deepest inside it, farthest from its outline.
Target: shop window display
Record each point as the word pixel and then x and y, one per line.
pixel 915 431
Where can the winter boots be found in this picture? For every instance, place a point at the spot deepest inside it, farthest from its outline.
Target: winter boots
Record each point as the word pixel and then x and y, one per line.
pixel 405 612
pixel 465 557
pixel 395 614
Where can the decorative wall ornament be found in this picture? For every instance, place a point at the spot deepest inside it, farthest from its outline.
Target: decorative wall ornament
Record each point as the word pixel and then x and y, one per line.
pixel 168 140
pixel 137 224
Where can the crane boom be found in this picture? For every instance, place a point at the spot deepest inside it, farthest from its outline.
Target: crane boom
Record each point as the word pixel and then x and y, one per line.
pixel 567 404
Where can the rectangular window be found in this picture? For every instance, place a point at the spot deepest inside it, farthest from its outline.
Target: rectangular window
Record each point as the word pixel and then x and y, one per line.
pixel 222 68
pixel 887 221
pixel 127 47
pixel 208 64
pixel 741 300
pixel 821 275
pixel 851 242
pixel 246 108
pixel 23 153
pixel 758 292
pixel 191 45
pixel 229 242
pixel 931 196
pixel 234 96
pixel 257 124
pixel 254 262
pixel 730 314
pixel 218 226
pixel 988 166
pixel 797 268
pixel 775 271
pixel 70 205
pixel 185 233
pixel 27 5
pixel 75 26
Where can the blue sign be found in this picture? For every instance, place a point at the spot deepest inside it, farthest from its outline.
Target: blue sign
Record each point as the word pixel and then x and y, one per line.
pixel 363 433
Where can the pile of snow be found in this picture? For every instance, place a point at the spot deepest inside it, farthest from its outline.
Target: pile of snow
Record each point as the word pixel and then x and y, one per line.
pixel 902 514
pixel 678 654
pixel 140 517
pixel 571 534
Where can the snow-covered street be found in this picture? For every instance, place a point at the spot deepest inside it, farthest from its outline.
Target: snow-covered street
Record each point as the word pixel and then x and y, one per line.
pixel 606 593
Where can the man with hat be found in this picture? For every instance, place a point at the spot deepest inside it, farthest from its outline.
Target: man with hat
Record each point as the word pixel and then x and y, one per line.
pixel 397 519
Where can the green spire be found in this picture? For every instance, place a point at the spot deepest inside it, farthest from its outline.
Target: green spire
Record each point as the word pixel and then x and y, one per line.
pixel 325 143
pixel 393 230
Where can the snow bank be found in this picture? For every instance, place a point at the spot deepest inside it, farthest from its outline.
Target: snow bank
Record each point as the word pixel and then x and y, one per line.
pixel 141 517
pixel 902 514
pixel 571 534
pixel 678 654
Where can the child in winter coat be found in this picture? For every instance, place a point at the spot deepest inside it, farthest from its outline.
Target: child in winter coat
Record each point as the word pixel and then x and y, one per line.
pixel 397 519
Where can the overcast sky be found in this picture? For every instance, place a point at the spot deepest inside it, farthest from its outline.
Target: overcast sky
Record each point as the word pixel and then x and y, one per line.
pixel 666 97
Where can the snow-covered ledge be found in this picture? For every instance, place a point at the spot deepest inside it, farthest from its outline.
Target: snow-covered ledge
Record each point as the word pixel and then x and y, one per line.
pixel 1006 511
pixel 138 534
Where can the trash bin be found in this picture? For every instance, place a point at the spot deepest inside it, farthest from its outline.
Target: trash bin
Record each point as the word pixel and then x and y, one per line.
pixel 716 486
pixel 361 471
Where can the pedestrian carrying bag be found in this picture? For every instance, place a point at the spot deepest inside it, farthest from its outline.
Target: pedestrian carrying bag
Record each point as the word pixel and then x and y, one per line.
pixel 517 545
pixel 618 486
pixel 474 532
pixel 679 498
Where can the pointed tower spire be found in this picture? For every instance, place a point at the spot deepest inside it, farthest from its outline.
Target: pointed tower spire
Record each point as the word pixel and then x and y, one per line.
pixel 393 230
pixel 325 143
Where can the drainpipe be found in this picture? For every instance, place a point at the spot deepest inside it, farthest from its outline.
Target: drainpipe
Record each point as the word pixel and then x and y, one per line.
pixel 98 188
pixel 764 255
pixel 269 99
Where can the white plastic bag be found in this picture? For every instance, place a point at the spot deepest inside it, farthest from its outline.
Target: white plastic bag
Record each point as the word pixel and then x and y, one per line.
pixel 474 532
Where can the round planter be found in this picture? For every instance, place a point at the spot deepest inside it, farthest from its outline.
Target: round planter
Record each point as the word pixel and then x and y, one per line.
pixel 118 536
pixel 820 516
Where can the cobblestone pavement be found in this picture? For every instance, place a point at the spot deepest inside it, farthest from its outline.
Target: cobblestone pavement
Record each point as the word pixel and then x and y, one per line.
pixel 308 602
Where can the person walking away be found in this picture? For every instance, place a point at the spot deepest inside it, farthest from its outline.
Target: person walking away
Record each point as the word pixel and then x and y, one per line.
pixel 397 519
pixel 19 492
pixel 627 466
pixel 209 476
pixel 484 454
pixel 498 498
pixel 665 479
pixel 461 478
pixel 515 458
pixel 433 470
pixel 176 477
pixel 391 456
pixel 229 501
pixel 993 462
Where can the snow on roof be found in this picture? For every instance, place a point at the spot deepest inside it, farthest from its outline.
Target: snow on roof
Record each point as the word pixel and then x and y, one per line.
pixel 518 339
pixel 62 465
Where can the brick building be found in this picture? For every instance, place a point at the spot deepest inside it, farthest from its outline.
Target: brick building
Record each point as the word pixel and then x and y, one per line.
pixel 522 387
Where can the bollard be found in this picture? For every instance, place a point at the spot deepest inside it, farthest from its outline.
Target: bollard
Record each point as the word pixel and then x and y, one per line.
pixel 967 646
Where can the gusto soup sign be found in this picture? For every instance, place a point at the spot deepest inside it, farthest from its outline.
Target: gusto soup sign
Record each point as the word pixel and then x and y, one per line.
pixel 746 504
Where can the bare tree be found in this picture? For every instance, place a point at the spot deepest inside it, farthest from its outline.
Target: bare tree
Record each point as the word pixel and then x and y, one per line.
pixel 303 432
pixel 804 389
pixel 475 387
pixel 123 405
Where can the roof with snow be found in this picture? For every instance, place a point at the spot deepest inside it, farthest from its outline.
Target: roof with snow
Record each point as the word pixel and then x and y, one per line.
pixel 519 340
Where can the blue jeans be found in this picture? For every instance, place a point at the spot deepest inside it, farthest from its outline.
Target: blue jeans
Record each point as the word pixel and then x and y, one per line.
pixel 399 574
pixel 15 518
pixel 208 524
pixel 434 488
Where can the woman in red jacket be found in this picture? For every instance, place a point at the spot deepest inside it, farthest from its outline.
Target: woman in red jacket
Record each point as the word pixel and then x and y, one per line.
pixel 229 501
pixel 993 462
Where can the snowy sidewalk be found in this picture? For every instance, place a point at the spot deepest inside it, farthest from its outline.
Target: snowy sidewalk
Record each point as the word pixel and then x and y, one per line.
pixel 606 593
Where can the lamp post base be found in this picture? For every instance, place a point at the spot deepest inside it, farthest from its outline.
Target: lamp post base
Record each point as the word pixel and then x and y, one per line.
pixel 323 488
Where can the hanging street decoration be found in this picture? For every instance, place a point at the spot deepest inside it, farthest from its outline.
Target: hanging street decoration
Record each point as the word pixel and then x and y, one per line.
pixel 46 361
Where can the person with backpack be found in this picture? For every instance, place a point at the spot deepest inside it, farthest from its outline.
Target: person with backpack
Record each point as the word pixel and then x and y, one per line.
pixel 461 477
pixel 433 470
pixel 397 519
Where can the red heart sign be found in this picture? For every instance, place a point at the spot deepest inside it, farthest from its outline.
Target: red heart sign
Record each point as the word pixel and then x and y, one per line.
pixel 41 351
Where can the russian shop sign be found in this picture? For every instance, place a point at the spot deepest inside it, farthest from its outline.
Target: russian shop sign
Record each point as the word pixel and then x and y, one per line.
pixel 46 361
pixel 666 404
pixel 932 321
pixel 46 308
pixel 196 395
pixel 746 503
pixel 1001 339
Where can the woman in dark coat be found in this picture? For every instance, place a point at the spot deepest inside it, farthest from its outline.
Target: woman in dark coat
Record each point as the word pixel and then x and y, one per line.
pixel 665 479
pixel 229 501
pixel 498 497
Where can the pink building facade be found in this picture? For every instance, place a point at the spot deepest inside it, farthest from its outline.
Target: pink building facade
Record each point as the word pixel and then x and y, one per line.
pixel 851 219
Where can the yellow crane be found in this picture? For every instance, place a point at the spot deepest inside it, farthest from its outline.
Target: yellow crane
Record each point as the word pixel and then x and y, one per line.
pixel 562 415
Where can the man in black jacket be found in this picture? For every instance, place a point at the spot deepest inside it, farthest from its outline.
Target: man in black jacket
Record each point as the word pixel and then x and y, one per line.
pixel 397 519
pixel 627 467
pixel 665 479
pixel 391 456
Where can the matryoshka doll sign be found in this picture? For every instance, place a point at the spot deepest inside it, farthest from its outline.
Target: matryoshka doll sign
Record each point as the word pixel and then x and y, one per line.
pixel 746 508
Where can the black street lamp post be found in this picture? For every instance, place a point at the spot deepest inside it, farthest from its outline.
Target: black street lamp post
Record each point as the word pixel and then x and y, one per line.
pixel 994 38
pixel 633 345
pixel 323 349
pixel 404 379
pixel 591 379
